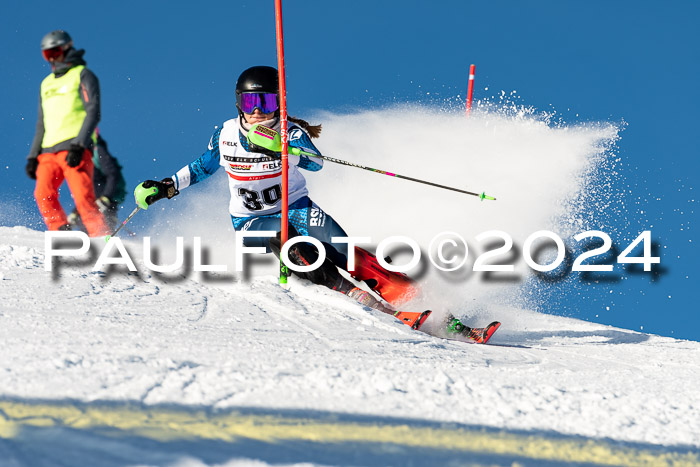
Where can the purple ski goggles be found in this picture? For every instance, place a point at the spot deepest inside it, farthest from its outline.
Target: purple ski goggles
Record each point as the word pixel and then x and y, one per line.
pixel 249 101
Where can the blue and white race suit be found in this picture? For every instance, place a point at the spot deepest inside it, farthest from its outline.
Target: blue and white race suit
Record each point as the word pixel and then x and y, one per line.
pixel 255 183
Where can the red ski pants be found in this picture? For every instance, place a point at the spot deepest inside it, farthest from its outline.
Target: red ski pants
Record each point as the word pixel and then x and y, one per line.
pixel 50 173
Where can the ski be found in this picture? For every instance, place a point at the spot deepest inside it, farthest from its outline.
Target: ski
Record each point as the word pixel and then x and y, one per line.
pixel 455 330
pixel 459 332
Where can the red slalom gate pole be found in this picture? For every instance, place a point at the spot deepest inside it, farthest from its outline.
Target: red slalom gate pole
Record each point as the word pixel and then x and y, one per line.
pixel 470 88
pixel 285 148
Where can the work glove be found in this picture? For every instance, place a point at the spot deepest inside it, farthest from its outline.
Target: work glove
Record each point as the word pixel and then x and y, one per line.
pixel 75 155
pixel 151 191
pixel 31 167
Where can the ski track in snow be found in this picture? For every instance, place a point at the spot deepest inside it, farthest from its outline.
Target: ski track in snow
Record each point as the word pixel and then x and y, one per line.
pixel 139 337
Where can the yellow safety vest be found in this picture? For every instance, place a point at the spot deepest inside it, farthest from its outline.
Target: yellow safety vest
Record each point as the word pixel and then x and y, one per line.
pixel 64 112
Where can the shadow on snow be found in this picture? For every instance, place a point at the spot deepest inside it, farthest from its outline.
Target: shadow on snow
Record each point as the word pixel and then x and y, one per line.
pixel 59 440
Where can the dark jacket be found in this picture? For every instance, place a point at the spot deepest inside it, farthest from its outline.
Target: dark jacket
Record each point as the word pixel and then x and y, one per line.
pixel 108 177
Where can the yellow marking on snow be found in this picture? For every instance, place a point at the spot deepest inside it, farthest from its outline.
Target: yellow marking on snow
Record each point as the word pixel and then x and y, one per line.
pixel 164 424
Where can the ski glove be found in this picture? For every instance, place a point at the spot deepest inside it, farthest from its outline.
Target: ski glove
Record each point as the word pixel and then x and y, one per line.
pixel 75 155
pixel 252 147
pixel 31 167
pixel 151 191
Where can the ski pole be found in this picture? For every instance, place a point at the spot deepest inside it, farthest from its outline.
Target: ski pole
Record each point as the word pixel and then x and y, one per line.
pixel 133 213
pixel 269 139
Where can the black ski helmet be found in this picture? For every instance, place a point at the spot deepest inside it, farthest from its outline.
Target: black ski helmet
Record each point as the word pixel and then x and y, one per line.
pixel 54 39
pixel 257 79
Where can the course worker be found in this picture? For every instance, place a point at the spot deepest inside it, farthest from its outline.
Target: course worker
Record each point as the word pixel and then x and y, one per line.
pixel 69 111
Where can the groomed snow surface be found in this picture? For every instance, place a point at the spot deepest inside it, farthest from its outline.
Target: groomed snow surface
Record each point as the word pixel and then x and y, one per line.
pixel 142 338
pixel 91 363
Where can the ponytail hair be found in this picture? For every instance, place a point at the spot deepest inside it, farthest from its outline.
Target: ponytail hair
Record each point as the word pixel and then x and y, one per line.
pixel 313 130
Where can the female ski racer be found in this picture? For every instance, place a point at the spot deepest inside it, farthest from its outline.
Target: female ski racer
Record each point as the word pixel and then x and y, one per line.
pixel 255 180
pixel 255 183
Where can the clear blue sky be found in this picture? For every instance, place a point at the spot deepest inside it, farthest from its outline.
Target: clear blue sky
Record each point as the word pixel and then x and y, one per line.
pixel 167 71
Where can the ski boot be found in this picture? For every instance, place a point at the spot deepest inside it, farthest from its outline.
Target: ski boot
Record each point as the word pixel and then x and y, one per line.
pixel 394 287
pixel 456 329
pixel 304 254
